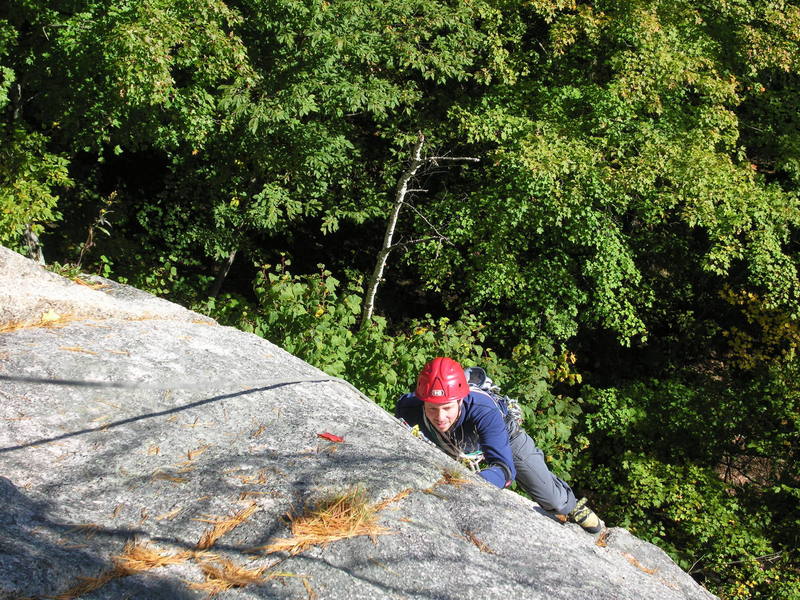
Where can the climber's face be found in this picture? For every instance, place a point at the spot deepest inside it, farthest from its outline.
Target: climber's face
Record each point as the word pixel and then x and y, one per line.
pixel 442 416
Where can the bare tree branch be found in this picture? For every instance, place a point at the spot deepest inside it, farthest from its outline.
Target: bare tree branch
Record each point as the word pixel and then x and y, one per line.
pixel 469 158
pixel 433 238
pixel 766 558
pixel 424 218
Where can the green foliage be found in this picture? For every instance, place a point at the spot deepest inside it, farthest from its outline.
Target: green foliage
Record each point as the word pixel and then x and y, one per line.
pixel 68 270
pixel 766 335
pixel 127 74
pixel 687 465
pixel 30 175
pixel 594 161
pixel 687 510
pixel 162 278
pixel 30 178
pixel 259 113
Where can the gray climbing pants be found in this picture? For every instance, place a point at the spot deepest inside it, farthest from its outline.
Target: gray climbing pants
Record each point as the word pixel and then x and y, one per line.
pixel 549 491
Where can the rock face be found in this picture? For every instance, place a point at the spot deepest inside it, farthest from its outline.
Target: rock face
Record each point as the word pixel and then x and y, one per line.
pixel 147 452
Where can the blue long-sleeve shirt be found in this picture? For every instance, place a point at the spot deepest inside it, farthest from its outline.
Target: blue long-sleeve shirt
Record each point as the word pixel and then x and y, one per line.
pixel 480 426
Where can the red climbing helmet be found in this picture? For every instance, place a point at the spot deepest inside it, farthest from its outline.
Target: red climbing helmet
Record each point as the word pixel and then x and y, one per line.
pixel 441 381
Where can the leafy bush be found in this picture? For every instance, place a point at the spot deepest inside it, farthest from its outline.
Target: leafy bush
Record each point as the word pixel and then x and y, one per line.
pixel 30 178
pixel 657 459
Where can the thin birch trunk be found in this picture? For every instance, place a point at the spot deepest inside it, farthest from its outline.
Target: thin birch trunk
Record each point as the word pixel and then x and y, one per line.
pixel 383 254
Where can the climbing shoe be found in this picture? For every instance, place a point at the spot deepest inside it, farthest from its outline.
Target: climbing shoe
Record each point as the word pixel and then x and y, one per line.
pixel 585 517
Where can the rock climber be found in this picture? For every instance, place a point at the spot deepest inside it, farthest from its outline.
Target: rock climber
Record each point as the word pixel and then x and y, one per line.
pixel 462 420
